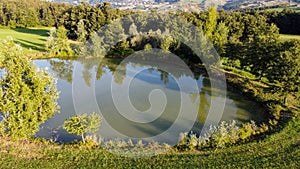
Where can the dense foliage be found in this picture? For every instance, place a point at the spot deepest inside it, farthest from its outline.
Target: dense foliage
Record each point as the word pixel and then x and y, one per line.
pixel 287 21
pixel 28 95
pixel 29 13
pixel 58 43
pixel 18 13
pixel 83 124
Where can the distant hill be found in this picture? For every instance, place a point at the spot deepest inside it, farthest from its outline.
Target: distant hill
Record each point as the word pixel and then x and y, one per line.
pixel 204 4
pixel 246 4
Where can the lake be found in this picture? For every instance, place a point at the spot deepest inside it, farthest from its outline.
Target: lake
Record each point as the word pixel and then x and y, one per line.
pixel 134 110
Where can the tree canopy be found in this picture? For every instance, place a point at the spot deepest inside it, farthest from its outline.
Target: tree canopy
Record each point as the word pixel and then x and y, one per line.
pixel 28 94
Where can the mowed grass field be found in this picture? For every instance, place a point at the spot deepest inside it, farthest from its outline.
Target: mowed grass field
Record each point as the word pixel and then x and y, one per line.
pixel 285 37
pixel 280 9
pixel 33 40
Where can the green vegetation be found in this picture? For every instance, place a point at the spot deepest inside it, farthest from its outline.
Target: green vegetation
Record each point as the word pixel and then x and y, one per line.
pixel 249 43
pixel 30 13
pixel 285 37
pixel 28 96
pixel 280 9
pixel 280 150
pixel 58 44
pixel 33 40
pixel 287 20
pixel 83 124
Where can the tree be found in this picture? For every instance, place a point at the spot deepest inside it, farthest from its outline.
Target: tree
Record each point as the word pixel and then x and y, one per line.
pixel 133 30
pixel 83 124
pixel 91 16
pixel 81 32
pixel 220 37
pixel 27 95
pixel 284 71
pixel 165 42
pixel 97 46
pixel 216 32
pixel 58 44
pixel 261 43
pixel 211 22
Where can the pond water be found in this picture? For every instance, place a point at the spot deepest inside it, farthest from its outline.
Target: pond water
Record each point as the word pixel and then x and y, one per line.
pixel 96 79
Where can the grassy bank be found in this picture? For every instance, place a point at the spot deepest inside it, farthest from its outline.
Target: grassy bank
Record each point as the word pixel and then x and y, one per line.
pixel 33 40
pixel 280 150
pixel 285 37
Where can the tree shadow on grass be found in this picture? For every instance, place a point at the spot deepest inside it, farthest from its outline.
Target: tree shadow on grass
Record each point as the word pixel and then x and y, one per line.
pixel 41 39
pixel 40 32
pixel 30 45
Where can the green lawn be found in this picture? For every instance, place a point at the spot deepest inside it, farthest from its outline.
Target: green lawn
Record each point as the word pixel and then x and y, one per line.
pixel 280 150
pixel 31 39
pixel 280 9
pixel 285 37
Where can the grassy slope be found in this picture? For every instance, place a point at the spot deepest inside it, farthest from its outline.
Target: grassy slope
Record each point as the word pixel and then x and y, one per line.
pixel 280 150
pixel 32 39
pixel 280 9
pixel 285 37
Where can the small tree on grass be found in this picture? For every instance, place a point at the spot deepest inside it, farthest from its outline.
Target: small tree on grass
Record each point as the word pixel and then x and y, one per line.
pixel 58 44
pixel 27 95
pixel 83 124
pixel 81 32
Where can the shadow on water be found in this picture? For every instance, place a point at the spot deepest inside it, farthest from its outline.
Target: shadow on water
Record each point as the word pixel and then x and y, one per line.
pixel 155 128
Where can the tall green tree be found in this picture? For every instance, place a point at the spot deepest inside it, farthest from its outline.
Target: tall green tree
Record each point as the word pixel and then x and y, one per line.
pixel 211 22
pixel 27 95
pixel 58 44
pixel 216 32
pixel 81 32
pixel 284 70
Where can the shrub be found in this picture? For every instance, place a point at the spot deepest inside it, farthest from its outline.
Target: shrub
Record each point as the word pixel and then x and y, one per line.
pixel 148 47
pixel 220 137
pixel 83 124
pixel 192 141
pixel 248 129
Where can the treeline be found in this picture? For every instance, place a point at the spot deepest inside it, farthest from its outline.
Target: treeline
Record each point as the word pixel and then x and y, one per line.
pixel 287 21
pixel 30 13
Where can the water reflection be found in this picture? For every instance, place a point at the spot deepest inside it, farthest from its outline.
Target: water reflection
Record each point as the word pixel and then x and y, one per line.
pixel 100 73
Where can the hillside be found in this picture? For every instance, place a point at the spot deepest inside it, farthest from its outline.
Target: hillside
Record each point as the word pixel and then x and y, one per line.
pixel 180 5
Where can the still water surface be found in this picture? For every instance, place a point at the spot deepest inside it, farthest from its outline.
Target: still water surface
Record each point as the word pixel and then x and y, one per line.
pixel 101 76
